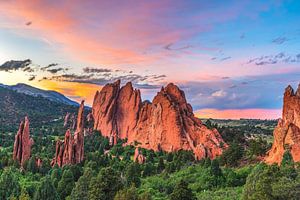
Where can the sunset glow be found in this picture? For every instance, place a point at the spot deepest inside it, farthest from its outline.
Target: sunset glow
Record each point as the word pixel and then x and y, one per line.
pixel 232 59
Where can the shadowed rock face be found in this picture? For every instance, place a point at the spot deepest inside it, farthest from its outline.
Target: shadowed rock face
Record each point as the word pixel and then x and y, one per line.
pixel 168 123
pixel 70 151
pixel 287 132
pixel 23 143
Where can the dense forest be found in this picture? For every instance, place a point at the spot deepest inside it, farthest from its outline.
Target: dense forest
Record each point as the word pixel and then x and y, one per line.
pixel 109 172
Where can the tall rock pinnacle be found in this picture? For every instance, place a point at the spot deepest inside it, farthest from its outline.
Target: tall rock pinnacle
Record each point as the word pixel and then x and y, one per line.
pixel 287 132
pixel 71 149
pixel 168 123
pixel 23 143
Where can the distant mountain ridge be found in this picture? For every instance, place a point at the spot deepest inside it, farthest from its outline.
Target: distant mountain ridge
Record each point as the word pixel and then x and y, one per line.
pixel 48 94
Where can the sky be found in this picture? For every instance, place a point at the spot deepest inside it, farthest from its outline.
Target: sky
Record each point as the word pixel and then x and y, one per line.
pixel 232 59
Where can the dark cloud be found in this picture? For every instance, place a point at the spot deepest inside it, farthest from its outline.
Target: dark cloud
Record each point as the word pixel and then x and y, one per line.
pixel 28 69
pixel 171 48
pixel 226 58
pixel 14 65
pixel 95 70
pixel 54 71
pixel 49 66
pixel 140 81
pixel 28 23
pixel 274 59
pixel 279 40
pixel 32 77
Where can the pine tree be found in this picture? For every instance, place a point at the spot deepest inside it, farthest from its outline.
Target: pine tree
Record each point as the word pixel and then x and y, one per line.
pixel 46 190
pixel 127 194
pixel 105 185
pixel 66 184
pixel 133 174
pixel 181 191
pixel 9 184
pixel 81 189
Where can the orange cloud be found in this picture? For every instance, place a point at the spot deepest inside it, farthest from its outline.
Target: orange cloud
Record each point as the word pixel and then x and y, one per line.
pixel 253 113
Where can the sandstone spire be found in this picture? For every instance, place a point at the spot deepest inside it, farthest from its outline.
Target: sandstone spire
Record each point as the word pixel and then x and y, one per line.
pixel 71 150
pixel 287 132
pixel 168 123
pixel 23 143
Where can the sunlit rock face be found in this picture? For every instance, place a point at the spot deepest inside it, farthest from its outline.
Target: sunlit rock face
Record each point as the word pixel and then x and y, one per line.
pixel 71 149
pixel 287 132
pixel 168 123
pixel 23 143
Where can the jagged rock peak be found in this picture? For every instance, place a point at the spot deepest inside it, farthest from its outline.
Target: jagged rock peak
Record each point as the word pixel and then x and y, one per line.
pixel 287 131
pixel 289 91
pixel 298 90
pixel 168 123
pixel 23 143
pixel 71 149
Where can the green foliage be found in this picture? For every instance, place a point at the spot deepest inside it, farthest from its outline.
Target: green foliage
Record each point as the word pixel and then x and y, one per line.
pixel 232 155
pixel 9 184
pixel 81 189
pixel 182 191
pixel 24 195
pixel 46 190
pixel 133 174
pixel 105 185
pixel 127 194
pixel 66 184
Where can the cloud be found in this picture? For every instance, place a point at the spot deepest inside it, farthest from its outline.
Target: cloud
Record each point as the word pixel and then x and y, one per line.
pixel 85 29
pixel 28 23
pixel 171 47
pixel 54 71
pixel 226 58
pixel 264 91
pixel 219 93
pixel 14 65
pixel 32 77
pixel 140 81
pixel 49 66
pixel 279 40
pixel 95 70
pixel 274 59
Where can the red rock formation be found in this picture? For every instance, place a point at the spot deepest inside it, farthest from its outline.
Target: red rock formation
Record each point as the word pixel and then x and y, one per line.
pixel 138 157
pixel 38 162
pixel 71 150
pixel 23 143
pixel 168 123
pixel 70 121
pixel 287 132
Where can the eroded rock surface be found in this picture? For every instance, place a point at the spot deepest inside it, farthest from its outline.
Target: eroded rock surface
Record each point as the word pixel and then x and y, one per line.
pixel 23 143
pixel 287 132
pixel 138 156
pixel 168 123
pixel 71 149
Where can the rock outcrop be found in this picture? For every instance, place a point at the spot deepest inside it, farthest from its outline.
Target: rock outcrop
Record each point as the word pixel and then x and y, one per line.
pixel 168 123
pixel 70 121
pixel 23 143
pixel 71 149
pixel 138 157
pixel 287 132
